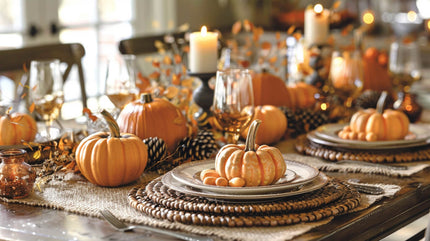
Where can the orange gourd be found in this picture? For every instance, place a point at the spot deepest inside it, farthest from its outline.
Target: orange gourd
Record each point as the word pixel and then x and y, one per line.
pixel 377 125
pixel 156 117
pixel 111 159
pixel 375 72
pixel 303 94
pixel 269 89
pixel 16 128
pixel 256 166
pixel 273 124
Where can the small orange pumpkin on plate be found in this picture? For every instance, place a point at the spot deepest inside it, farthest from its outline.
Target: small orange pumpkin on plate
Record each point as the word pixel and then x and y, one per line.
pixel 377 125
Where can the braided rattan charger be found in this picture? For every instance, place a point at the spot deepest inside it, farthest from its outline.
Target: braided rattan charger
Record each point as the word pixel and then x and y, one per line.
pixel 307 147
pixel 159 201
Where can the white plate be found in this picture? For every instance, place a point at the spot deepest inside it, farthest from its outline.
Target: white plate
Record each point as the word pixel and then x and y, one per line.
pixel 317 183
pixel 186 174
pixel 418 133
pixel 356 146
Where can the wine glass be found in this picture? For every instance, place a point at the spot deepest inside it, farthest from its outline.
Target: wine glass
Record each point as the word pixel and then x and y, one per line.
pixel 233 104
pixel 46 92
pixel 404 68
pixel 346 78
pixel 120 85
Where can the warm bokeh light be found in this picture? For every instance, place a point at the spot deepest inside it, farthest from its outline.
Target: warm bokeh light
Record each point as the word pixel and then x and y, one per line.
pixel 318 8
pixel 204 30
pixel 428 25
pixel 368 17
pixel 412 16
pixel 324 106
pixel 409 108
pixel 338 61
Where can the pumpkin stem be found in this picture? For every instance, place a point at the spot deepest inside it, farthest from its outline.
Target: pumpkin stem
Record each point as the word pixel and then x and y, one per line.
pixel 381 102
pixel 252 133
pixel 145 98
pixel 113 126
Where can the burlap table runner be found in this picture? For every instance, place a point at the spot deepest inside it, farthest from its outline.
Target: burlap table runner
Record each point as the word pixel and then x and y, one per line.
pixel 74 194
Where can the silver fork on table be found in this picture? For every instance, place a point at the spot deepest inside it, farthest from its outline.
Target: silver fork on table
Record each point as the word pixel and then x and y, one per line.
pixel 114 221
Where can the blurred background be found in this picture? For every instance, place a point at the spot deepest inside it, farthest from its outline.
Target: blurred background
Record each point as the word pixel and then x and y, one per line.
pixel 100 24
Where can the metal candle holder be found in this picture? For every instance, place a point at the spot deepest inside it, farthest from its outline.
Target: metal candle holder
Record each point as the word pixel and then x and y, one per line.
pixel 203 96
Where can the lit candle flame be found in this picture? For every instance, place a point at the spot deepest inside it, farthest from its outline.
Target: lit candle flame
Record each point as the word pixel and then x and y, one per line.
pixel 318 8
pixel 368 17
pixel 204 30
pixel 412 16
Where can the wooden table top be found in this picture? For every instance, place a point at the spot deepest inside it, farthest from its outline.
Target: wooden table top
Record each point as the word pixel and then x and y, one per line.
pixel 24 222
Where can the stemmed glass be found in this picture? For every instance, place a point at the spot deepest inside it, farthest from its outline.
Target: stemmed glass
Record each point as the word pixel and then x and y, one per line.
pixel 404 67
pixel 233 104
pixel 120 85
pixel 346 78
pixel 46 92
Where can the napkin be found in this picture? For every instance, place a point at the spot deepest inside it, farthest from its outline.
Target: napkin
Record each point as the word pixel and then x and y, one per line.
pixel 324 165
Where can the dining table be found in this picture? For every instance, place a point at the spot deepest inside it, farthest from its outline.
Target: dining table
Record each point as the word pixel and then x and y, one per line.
pixel 20 221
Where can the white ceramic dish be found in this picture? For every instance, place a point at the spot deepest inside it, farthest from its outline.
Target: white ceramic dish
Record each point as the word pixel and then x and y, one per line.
pixel 186 174
pixel 317 183
pixel 418 134
pixel 357 146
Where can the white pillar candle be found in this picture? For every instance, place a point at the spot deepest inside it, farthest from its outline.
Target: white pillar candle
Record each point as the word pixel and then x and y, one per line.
pixel 203 52
pixel 316 25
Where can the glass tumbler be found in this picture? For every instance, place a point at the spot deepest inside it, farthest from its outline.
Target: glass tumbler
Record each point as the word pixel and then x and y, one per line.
pixel 16 176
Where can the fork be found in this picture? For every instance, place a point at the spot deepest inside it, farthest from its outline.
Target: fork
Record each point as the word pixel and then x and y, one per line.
pixel 114 221
pixel 365 188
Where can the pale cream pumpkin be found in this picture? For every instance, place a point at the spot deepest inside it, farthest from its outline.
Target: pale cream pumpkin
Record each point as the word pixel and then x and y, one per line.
pixel 259 166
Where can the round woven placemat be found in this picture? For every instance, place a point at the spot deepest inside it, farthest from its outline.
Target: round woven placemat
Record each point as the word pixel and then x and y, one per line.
pixel 306 146
pixel 159 201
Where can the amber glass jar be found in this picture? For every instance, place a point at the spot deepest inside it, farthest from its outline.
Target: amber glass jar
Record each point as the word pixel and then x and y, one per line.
pixel 16 176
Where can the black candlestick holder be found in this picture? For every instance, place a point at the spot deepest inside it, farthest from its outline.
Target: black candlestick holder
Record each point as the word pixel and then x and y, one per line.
pixel 203 96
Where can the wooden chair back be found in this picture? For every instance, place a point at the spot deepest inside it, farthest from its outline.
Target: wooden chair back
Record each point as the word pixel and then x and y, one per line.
pixel 145 44
pixel 71 54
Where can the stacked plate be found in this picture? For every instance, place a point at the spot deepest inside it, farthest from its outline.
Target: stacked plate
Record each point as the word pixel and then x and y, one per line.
pixel 299 179
pixel 327 135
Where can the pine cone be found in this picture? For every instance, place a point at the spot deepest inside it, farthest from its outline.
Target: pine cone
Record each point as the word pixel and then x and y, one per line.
pixel 308 120
pixel 369 99
pixel 198 148
pixel 157 149
pixel 183 147
pixel 291 117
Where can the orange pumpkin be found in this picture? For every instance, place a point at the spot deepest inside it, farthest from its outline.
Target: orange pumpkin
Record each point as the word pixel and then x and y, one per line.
pixel 111 159
pixel 377 125
pixel 302 94
pixel 273 124
pixel 375 72
pixel 259 166
pixel 156 117
pixel 16 128
pixel 269 89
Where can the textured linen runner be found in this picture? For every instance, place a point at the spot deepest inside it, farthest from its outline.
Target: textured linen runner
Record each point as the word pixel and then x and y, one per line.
pixel 76 195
